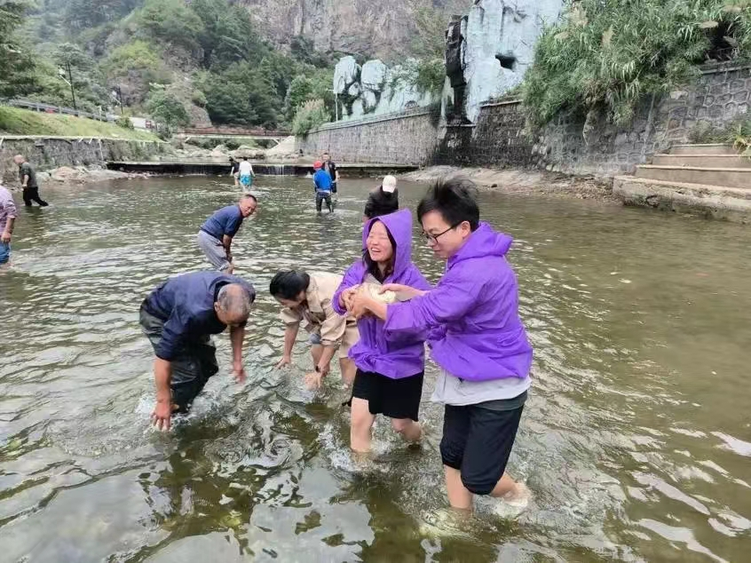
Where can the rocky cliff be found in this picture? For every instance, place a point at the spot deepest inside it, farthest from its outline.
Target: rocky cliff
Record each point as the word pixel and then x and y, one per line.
pixel 378 28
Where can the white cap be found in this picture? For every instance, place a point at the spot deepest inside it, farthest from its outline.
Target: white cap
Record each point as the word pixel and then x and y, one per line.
pixel 389 184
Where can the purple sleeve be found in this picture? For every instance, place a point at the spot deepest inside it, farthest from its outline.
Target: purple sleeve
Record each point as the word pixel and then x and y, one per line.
pixel 10 207
pixel 352 277
pixel 414 278
pixel 450 301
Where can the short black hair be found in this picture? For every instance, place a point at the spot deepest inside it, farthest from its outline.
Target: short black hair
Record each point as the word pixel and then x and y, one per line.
pixel 455 198
pixel 287 284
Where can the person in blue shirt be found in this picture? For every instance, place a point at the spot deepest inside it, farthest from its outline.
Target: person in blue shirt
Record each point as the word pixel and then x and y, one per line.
pixel 179 317
pixel 322 184
pixel 216 234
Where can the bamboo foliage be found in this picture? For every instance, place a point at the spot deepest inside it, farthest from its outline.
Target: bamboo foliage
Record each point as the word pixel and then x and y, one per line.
pixel 607 55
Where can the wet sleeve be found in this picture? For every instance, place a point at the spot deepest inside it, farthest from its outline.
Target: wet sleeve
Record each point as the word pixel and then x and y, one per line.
pixel 352 277
pixel 290 318
pixel 333 328
pixel 173 335
pixel 450 301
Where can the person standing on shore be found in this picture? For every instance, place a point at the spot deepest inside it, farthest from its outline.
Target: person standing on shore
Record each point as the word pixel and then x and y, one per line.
pixel 28 177
pixel 234 170
pixel 216 234
pixel 476 338
pixel 383 200
pixel 389 372
pixel 330 167
pixel 308 297
pixel 246 173
pixel 322 186
pixel 7 221
pixel 178 318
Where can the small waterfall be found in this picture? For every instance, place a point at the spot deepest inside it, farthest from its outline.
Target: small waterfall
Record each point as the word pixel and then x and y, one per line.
pixel 276 170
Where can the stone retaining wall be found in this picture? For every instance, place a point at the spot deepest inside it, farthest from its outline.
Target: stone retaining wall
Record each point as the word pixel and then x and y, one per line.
pixel 408 137
pixel 574 145
pixel 52 152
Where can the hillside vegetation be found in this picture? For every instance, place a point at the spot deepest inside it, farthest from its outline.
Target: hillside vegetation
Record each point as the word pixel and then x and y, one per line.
pixel 15 121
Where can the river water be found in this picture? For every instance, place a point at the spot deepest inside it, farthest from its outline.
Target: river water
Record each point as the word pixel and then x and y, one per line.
pixel 636 440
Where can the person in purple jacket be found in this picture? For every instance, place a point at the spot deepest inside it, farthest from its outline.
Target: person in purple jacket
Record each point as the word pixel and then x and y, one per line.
pixel 476 338
pixel 389 373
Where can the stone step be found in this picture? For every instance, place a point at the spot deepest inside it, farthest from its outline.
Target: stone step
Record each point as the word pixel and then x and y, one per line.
pixel 727 177
pixel 713 148
pixel 717 202
pixel 702 160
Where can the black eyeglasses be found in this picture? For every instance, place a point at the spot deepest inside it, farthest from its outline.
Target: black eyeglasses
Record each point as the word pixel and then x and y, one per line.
pixel 432 239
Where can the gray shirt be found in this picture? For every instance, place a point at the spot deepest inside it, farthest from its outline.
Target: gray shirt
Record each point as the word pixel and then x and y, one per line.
pixel 451 390
pixel 7 208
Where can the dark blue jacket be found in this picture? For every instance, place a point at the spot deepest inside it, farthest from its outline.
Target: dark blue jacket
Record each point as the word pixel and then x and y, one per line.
pixel 186 305
pixel 226 221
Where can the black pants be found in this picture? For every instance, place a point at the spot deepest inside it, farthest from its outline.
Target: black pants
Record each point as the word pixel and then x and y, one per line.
pixel 320 196
pixel 32 194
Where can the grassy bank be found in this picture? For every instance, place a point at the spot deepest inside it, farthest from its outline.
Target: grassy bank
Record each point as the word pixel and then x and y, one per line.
pixel 15 121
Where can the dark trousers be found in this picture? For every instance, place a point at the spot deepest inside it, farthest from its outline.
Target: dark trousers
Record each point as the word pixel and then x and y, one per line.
pixel 320 196
pixel 32 194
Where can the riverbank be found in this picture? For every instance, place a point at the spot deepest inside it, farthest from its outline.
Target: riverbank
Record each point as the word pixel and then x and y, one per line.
pixel 522 182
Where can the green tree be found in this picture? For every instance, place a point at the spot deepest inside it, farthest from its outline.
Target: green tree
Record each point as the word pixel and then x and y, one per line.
pixel 17 69
pixel 241 94
pixel 311 115
pixel 228 35
pixel 167 109
pixel 300 91
pixel 172 21
pixel 82 14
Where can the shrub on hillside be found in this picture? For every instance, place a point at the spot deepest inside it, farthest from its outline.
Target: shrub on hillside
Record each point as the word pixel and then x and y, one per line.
pixel 310 115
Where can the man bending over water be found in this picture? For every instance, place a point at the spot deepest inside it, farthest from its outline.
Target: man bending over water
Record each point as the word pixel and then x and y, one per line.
pixel 178 318
pixel 216 234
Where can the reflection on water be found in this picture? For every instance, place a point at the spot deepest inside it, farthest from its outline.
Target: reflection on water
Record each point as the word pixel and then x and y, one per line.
pixel 636 439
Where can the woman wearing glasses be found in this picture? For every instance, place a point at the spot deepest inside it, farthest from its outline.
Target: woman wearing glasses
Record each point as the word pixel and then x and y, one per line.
pixel 476 338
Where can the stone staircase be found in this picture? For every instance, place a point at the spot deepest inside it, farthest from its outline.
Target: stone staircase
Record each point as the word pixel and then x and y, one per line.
pixel 709 180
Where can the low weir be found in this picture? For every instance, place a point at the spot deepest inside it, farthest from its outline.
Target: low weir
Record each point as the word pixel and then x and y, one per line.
pixel 264 168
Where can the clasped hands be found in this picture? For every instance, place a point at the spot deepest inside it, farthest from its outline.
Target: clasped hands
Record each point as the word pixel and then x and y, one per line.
pixel 359 302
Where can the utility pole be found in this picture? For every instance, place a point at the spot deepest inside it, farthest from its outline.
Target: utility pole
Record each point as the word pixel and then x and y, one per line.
pixel 72 89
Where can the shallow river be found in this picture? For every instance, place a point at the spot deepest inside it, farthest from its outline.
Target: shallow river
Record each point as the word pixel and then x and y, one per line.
pixel 636 440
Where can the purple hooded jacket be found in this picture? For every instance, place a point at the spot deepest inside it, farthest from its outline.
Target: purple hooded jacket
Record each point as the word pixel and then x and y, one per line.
pixel 472 314
pixel 404 355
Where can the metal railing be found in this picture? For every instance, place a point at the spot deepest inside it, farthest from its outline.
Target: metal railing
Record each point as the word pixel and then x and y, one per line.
pixel 47 108
pixel 232 132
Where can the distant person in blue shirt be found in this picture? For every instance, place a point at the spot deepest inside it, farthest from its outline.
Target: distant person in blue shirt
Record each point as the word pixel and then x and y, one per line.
pixel 322 182
pixel 178 318
pixel 216 234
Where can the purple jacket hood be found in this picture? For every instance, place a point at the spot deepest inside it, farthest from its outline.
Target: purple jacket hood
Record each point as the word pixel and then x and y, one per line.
pixel 395 358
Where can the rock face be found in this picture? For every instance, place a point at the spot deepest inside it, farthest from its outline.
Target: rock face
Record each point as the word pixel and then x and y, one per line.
pixel 367 90
pixel 377 28
pixel 500 40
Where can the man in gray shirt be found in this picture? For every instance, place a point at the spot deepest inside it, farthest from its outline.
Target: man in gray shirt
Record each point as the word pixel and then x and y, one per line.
pixel 28 177
pixel 7 218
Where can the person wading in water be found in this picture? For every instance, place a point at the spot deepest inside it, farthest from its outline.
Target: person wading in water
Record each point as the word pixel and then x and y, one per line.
pixel 28 177
pixel 389 372
pixel 217 233
pixel 309 298
pixel 178 318
pixel 476 338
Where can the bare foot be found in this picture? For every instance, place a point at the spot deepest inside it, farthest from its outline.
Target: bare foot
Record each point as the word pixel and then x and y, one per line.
pixel 519 497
